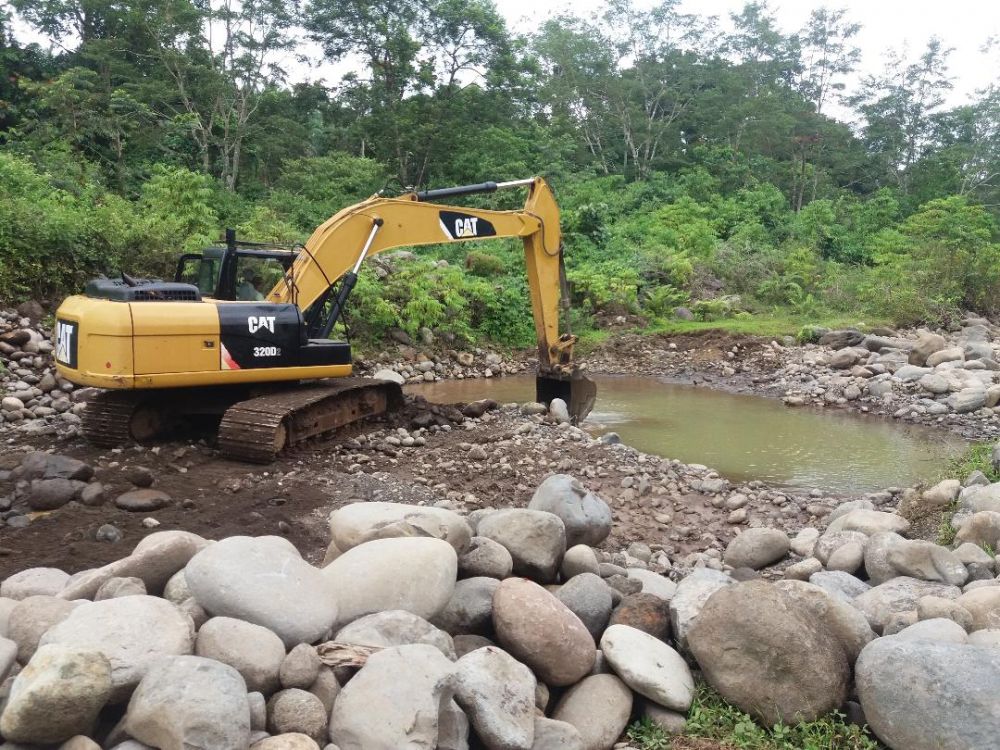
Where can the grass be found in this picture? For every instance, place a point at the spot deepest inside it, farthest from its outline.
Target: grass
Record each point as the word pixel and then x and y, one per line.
pixel 977 457
pixel 713 719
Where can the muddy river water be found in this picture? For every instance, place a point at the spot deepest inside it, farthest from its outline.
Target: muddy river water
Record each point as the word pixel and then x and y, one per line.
pixel 743 437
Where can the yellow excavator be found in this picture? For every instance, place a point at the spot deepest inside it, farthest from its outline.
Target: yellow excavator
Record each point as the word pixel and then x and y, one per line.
pixel 213 343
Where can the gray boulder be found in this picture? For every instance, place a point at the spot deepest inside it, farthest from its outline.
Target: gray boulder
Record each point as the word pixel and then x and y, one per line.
pixel 484 557
pixel 556 735
pixel 900 594
pixel 56 696
pixel 190 702
pixel 395 628
pixel 589 598
pixel 154 561
pixel 394 701
pixel 586 516
pixel 413 574
pixel 769 655
pixel 649 666
pixel 34 582
pixel 535 539
pixel 253 651
pixel 579 559
pixel 358 523
pixel 265 581
pixel 133 632
pixel 757 548
pixel 470 609
pixel 598 707
pixel 921 695
pixel 691 595
pixel 497 693
pixel 293 711
pixel 939 630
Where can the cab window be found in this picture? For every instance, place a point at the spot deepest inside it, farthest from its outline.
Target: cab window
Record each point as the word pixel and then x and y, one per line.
pixel 202 272
pixel 255 277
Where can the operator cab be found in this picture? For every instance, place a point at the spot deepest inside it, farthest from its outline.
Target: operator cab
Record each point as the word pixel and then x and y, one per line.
pixel 244 271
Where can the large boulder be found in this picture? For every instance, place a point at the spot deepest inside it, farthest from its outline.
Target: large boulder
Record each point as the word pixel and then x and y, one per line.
pixel 982 528
pixel 586 516
pixel 896 595
pixel 848 624
pixel 542 632
pixel 770 656
pixel 190 702
pixel 922 695
pixel 34 582
pixel 692 593
pixel 599 707
pixel 394 701
pixel 551 734
pixel 927 344
pixel 30 618
pixel 265 581
pixel 133 632
pixel 535 539
pixel 869 522
pixel 649 666
pixel 253 651
pixel 841 339
pixel 589 598
pixel 757 548
pixel 395 628
pixel 470 609
pixel 56 696
pixel 413 574
pixel 154 561
pixel 497 693
pixel 928 561
pixel 485 558
pixel 358 523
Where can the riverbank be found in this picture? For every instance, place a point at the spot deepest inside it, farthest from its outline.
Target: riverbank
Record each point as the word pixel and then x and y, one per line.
pixel 674 533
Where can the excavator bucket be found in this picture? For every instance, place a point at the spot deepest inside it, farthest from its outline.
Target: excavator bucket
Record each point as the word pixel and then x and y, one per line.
pixel 579 393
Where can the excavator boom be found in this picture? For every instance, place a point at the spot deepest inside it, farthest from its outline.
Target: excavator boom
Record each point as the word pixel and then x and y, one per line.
pixel 337 248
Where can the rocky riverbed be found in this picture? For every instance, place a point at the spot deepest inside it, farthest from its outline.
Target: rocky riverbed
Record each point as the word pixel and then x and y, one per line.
pixel 489 576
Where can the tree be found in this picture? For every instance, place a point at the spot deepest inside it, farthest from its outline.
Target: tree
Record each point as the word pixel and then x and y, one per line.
pixel 221 57
pixel 826 54
pixel 898 107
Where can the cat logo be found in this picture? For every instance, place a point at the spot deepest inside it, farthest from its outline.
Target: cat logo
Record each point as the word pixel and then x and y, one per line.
pixel 256 323
pixel 459 226
pixel 66 343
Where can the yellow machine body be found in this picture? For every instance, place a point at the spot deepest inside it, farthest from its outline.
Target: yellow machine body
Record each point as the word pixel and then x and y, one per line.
pixel 150 344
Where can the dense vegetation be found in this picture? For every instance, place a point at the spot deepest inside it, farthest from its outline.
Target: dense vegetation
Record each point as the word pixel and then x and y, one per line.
pixel 695 167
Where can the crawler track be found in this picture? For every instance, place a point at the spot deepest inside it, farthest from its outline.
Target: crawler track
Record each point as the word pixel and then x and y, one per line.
pixel 258 429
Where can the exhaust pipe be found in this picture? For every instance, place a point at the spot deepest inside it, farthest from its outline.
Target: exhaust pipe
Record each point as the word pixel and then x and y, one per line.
pixel 578 391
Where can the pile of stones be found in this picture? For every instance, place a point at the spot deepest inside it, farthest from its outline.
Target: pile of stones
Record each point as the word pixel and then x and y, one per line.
pixel 499 629
pixel 920 377
pixel 35 399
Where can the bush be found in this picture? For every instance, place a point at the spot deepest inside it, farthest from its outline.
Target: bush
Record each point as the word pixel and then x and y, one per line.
pixel 483 264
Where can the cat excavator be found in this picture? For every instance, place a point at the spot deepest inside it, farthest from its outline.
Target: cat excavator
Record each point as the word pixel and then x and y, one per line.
pixel 213 343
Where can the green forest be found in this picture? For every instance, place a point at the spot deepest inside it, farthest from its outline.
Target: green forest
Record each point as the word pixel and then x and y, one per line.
pixel 698 164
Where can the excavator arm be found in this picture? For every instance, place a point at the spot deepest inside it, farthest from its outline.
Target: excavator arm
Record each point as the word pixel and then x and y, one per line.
pixel 326 269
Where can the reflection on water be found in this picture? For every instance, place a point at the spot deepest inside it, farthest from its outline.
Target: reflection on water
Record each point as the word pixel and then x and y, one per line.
pixel 743 437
